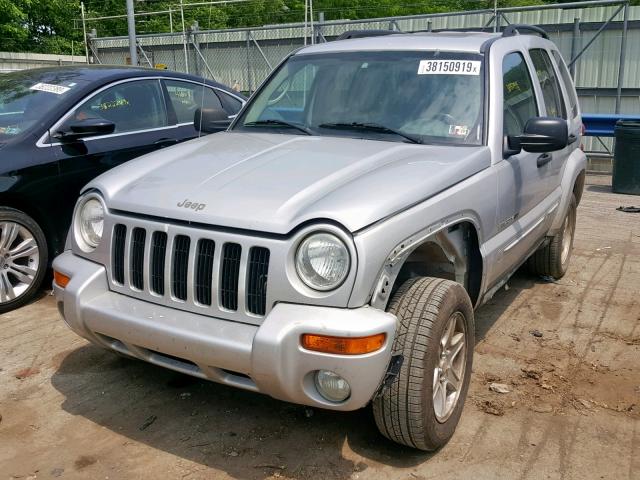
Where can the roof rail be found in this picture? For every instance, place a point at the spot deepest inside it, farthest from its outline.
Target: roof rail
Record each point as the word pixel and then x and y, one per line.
pixel 516 29
pixel 365 33
pixel 455 30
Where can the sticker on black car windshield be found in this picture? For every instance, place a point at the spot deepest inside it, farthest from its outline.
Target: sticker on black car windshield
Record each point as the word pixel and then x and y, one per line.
pixel 47 87
pixel 9 130
pixel 449 67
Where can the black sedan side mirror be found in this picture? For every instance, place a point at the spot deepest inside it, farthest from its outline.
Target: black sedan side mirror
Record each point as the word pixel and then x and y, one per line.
pixel 541 135
pixel 211 120
pixel 89 127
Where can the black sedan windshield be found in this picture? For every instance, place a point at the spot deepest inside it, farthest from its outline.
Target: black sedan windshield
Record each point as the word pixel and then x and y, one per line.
pixel 405 96
pixel 24 99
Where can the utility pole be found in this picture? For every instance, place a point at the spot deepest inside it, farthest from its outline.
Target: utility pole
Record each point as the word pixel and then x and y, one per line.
pixel 306 14
pixel 313 33
pixel 131 21
pixel 84 32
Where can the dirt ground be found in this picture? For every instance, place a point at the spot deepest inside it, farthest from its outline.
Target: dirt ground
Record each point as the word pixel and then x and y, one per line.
pixel 568 353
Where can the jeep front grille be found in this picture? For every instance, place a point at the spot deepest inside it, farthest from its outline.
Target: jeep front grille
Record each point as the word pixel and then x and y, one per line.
pixel 184 270
pixel 117 255
pixel 204 272
pixel 257 280
pixel 158 254
pixel 230 273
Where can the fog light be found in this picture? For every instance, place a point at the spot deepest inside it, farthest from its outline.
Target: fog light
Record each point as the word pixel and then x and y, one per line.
pixel 332 386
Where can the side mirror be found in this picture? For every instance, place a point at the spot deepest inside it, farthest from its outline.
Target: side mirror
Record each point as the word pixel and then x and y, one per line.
pixel 89 127
pixel 211 120
pixel 541 135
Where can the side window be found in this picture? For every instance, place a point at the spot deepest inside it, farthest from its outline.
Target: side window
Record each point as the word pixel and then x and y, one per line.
pixel 551 91
pixel 519 98
pixel 568 82
pixel 135 105
pixel 231 104
pixel 187 97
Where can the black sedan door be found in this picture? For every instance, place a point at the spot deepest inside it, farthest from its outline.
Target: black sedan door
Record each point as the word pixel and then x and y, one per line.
pixel 186 97
pixel 138 110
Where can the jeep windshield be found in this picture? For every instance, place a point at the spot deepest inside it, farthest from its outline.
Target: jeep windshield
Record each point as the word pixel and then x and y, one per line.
pixel 404 96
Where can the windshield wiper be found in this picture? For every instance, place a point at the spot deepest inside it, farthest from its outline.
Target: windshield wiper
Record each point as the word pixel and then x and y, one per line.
pixel 282 123
pixel 372 127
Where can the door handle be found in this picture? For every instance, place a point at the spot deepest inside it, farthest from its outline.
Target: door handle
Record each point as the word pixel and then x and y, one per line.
pixel 544 159
pixel 572 139
pixel 165 142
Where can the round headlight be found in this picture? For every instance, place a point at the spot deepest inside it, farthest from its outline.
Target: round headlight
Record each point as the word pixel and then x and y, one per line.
pixel 90 223
pixel 322 261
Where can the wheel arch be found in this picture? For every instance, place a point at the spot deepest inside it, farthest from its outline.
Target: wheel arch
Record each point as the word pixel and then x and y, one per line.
pixel 452 253
pixel 578 185
pixel 49 228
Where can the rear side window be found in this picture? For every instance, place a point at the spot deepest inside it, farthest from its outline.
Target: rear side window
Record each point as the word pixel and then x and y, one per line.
pixel 549 84
pixel 231 104
pixel 187 97
pixel 568 83
pixel 519 98
pixel 131 106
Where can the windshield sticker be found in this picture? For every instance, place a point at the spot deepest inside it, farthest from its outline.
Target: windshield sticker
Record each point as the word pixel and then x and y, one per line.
pixel 449 67
pixel 47 87
pixel 458 130
pixel 9 130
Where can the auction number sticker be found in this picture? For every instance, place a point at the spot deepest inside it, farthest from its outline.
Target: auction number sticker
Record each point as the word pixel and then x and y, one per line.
pixel 449 67
pixel 47 87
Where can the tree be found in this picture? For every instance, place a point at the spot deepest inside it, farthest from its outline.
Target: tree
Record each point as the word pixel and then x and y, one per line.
pixel 39 25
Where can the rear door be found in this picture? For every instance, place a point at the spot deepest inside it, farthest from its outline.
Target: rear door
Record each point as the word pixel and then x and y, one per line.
pixel 574 119
pixel 555 106
pixel 184 99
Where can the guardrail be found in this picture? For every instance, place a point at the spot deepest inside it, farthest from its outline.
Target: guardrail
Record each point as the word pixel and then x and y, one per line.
pixel 603 124
pixel 599 125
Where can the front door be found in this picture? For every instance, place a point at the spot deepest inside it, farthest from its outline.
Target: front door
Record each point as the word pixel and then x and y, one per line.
pixel 524 179
pixel 138 110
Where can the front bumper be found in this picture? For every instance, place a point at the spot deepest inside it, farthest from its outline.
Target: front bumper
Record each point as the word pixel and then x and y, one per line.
pixel 267 358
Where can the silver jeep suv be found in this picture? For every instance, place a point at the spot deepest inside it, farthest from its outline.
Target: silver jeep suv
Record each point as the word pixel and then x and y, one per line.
pixel 329 249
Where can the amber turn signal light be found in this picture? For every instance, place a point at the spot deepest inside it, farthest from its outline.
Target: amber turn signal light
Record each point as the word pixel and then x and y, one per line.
pixel 61 279
pixel 343 345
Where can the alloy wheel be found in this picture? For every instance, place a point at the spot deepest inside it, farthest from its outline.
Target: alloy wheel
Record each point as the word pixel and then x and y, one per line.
pixel 449 371
pixel 19 260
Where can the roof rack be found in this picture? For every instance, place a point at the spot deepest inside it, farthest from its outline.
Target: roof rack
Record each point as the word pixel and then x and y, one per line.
pixel 365 33
pixel 516 29
pixel 509 31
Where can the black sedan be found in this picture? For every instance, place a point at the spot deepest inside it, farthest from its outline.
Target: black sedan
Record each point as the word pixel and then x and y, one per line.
pixel 61 127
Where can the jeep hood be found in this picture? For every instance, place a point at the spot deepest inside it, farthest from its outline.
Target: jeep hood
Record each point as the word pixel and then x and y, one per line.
pixel 273 183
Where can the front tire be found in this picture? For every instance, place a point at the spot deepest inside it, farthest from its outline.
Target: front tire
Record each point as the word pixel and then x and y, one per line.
pixel 23 258
pixel 435 335
pixel 552 260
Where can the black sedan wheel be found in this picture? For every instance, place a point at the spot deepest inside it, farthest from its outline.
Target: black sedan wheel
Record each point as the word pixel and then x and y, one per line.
pixel 23 258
